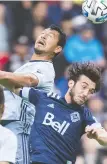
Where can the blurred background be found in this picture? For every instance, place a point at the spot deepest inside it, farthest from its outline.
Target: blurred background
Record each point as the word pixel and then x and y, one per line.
pixel 20 24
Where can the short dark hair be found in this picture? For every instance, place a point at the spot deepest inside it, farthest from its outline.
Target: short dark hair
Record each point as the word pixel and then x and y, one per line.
pixel 1 95
pixel 88 69
pixel 62 36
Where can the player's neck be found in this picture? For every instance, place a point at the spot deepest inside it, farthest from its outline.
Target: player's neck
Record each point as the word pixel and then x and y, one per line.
pixel 38 57
pixel 68 98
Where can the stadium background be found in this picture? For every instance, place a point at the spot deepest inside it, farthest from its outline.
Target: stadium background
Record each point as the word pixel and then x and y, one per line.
pixel 21 23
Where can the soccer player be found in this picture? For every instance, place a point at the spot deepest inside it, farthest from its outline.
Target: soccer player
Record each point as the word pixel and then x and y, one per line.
pixel 8 141
pixel 60 122
pixel 39 72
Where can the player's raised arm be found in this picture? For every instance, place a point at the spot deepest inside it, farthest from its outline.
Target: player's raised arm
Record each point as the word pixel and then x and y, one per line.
pixel 97 133
pixel 4 162
pixel 11 80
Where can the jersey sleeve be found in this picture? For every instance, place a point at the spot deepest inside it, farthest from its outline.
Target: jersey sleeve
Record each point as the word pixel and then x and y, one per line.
pixel 30 94
pixel 8 149
pixel 89 119
pixel 40 76
pixel 46 78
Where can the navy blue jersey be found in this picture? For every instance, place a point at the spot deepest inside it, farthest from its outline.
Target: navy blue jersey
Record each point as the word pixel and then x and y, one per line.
pixel 57 127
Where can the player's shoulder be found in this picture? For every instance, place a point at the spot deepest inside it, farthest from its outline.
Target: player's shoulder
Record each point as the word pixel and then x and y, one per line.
pixel 85 108
pixel 88 114
pixel 40 62
pixel 53 95
pixel 44 66
pixel 43 93
pixel 22 68
pixel 41 67
pixel 86 111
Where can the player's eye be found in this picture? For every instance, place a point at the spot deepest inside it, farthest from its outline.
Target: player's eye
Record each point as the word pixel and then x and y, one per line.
pixel 92 91
pixel 50 35
pixel 84 86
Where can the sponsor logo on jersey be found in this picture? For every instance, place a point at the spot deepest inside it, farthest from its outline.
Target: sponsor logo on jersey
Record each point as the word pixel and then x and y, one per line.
pixel 75 117
pixel 57 126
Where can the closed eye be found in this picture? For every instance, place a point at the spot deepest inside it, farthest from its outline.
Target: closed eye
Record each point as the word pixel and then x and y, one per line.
pixel 92 91
pixel 84 86
pixel 51 35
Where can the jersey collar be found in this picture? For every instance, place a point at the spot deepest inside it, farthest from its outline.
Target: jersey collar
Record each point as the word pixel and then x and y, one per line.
pixel 70 105
pixel 40 61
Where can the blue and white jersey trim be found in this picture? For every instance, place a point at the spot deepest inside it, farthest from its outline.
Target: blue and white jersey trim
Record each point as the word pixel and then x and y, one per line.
pixel 54 95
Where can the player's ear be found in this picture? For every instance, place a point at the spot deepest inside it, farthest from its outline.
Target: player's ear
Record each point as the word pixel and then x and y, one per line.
pixel 71 83
pixel 1 109
pixel 58 49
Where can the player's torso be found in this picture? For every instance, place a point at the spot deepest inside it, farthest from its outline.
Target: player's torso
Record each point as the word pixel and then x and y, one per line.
pixel 61 128
pixel 18 109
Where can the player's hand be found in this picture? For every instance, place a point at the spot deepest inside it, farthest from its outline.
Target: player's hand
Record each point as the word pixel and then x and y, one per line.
pixel 94 132
pixel 97 133
pixel 3 75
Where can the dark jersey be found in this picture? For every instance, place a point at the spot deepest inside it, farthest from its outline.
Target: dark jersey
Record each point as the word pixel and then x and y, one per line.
pixel 57 127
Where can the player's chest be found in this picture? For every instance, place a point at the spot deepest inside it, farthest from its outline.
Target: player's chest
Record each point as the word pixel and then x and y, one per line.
pixel 61 120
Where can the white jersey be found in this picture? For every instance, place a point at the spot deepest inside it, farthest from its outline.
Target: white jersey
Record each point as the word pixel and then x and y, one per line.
pixel 8 145
pixel 18 109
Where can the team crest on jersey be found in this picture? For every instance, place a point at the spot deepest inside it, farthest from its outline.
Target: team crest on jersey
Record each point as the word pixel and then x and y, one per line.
pixel 75 117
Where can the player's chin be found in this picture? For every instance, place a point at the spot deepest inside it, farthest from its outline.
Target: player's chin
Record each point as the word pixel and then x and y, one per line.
pixel 79 102
pixel 38 50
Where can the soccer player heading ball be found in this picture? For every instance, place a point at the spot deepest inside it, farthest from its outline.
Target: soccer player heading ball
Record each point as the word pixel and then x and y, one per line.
pixel 61 121
pixel 95 10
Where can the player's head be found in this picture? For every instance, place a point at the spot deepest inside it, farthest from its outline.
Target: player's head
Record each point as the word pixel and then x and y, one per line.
pixel 83 81
pixel 50 42
pixel 1 101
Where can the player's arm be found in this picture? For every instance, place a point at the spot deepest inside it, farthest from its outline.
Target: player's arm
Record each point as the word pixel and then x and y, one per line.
pixel 97 133
pixel 12 80
pixel 4 163
pixel 93 128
